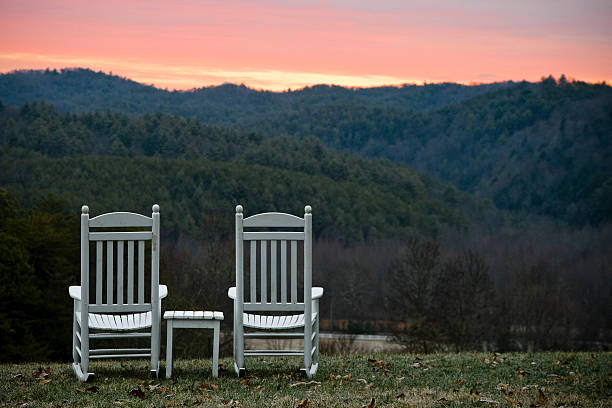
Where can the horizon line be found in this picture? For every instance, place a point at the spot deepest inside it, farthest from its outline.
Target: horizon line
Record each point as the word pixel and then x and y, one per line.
pixel 289 89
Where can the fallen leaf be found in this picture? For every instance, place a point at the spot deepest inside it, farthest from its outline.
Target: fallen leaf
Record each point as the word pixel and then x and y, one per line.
pixel 362 380
pixel 206 386
pixel 152 388
pixel 138 393
pixel 45 381
pixel 372 404
pixel 502 387
pixel 416 365
pixel 311 383
pixel 512 402
pixel 302 403
pixel 541 401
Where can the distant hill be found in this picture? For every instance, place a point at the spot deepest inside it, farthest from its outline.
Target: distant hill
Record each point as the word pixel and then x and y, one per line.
pixel 196 170
pixel 83 90
pixel 536 148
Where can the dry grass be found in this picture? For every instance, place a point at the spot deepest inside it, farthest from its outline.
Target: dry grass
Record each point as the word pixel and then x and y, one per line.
pixel 391 380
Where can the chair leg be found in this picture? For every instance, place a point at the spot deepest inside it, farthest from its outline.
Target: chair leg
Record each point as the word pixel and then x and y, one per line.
pixel 315 357
pixel 75 339
pixel 238 344
pixel 215 362
pixel 169 334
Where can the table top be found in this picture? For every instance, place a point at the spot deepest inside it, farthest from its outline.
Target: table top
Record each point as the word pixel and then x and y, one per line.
pixel 193 315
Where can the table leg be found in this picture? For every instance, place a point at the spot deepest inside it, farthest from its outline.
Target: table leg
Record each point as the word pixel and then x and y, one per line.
pixel 215 362
pixel 169 348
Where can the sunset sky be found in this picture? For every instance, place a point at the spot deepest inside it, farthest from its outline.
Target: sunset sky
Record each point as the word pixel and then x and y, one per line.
pixel 267 44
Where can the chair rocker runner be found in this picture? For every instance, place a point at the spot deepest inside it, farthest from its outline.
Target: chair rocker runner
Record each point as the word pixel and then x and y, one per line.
pixel 274 307
pixel 121 309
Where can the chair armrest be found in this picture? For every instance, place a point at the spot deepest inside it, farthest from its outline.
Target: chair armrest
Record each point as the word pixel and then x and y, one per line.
pixel 163 291
pixel 231 292
pixel 75 292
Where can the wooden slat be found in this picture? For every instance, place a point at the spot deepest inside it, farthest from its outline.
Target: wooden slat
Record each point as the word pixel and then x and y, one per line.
pixel 283 271
pixel 274 306
pixel 120 236
pixel 141 248
pixel 117 335
pixel 109 273
pixel 120 272
pixel 294 271
pixel 273 219
pixel 274 335
pixel 264 272
pixel 120 219
pixel 273 271
pixel 133 308
pixel 130 280
pixel 99 272
pixel 253 266
pixel 277 235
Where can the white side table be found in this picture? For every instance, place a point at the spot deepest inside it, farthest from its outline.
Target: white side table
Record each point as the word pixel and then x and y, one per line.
pixel 178 319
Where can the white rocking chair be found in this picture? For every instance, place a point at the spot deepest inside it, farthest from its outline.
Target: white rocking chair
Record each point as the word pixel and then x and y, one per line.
pixel 275 312
pixel 117 316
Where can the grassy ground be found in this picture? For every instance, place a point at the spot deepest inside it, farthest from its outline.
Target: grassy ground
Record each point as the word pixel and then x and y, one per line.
pixel 400 380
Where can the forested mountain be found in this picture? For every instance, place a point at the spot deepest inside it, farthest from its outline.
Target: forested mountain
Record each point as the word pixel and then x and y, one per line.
pixel 194 170
pixel 530 147
pixel 541 148
pixel 83 90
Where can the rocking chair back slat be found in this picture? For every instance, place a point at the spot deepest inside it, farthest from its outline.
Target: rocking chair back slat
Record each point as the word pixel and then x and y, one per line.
pixel 130 280
pixel 141 248
pixel 253 274
pixel 99 272
pixel 120 272
pixel 273 271
pixel 293 271
pixel 264 273
pixel 283 271
pixel 109 273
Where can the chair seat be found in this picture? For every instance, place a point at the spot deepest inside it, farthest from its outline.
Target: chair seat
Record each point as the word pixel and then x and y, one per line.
pixel 256 321
pixel 124 322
